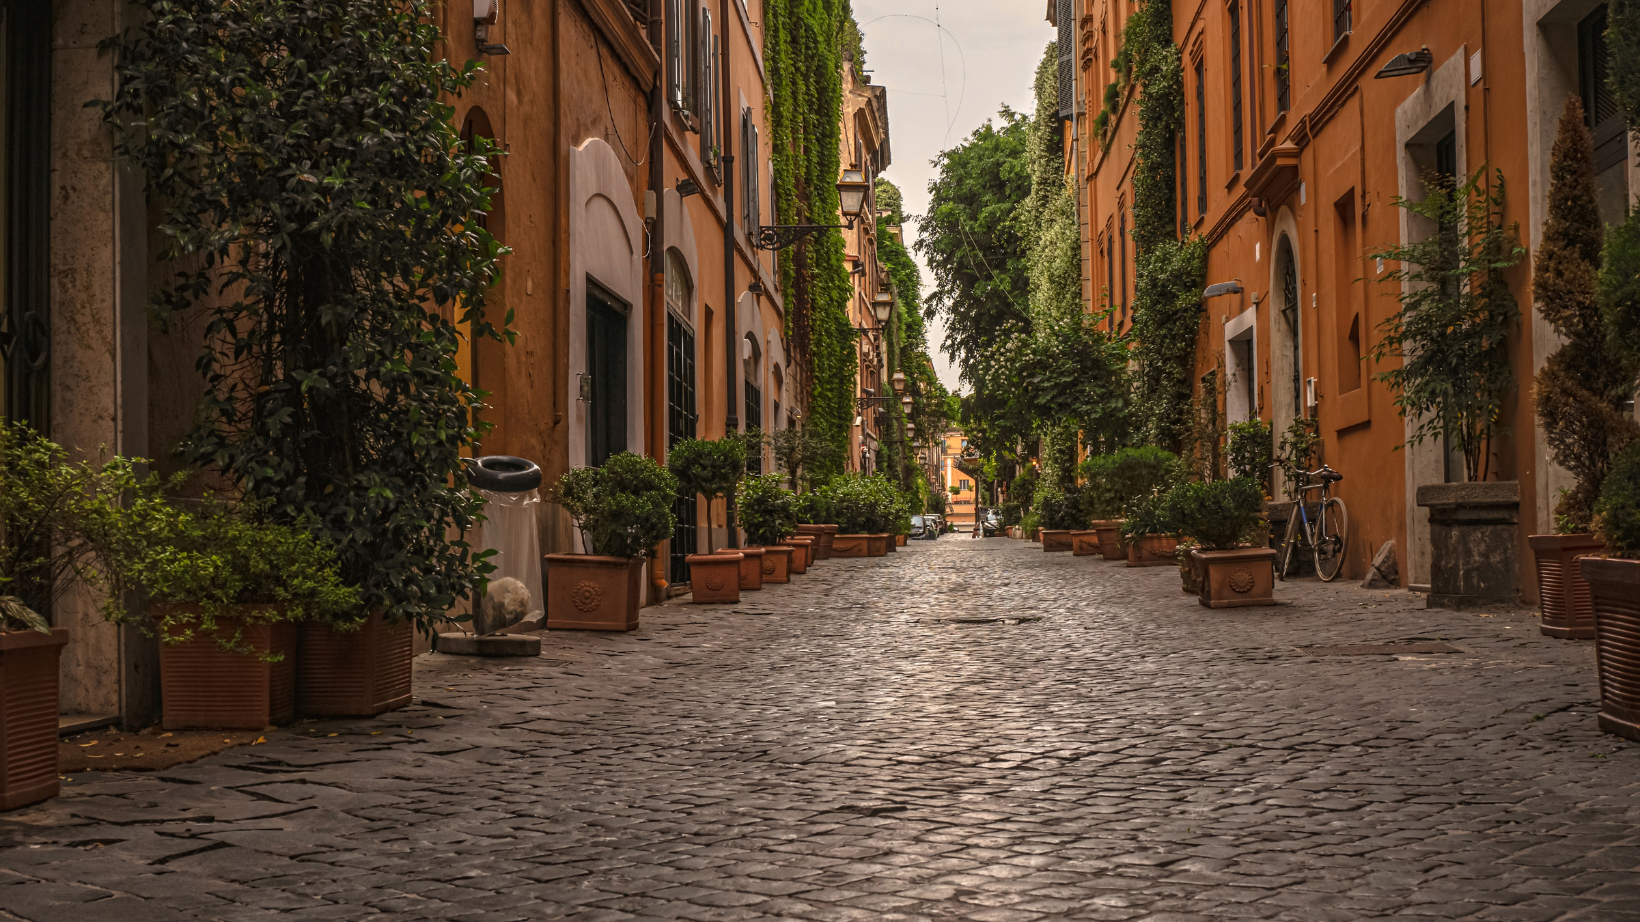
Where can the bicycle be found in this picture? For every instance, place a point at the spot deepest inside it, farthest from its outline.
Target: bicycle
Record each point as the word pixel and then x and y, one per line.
pixel 1326 537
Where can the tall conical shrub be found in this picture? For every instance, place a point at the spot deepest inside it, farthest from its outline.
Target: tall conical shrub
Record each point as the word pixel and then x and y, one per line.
pixel 1580 390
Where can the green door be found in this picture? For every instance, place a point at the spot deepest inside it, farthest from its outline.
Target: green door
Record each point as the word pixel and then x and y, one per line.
pixel 606 367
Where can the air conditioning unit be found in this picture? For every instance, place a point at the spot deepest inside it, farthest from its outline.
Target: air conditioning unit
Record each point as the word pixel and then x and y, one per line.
pixel 487 12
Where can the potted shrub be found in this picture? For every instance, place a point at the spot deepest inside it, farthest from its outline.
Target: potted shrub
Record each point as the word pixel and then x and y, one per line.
pixel 710 468
pixel 1102 504
pixel 1061 516
pixel 622 510
pixel 1582 386
pixel 1614 583
pixel 41 500
pixel 768 513
pixel 331 396
pixel 1225 520
pixel 1149 534
pixel 814 517
pixel 226 590
pixel 1030 526
pixel 1450 337
pixel 864 514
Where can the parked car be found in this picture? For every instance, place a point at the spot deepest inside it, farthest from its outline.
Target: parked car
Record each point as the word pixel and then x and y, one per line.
pixel 991 523
pixel 925 527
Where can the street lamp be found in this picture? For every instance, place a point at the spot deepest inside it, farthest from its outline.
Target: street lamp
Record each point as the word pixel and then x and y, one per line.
pixel 899 387
pixel 851 195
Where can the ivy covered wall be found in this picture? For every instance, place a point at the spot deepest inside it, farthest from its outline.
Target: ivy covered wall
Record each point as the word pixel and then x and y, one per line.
pixel 803 45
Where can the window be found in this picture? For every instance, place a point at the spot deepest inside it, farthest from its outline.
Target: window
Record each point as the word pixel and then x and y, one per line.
pixel 676 71
pixel 1201 141
pixel 1341 18
pixel 1235 88
pixel 963 484
pixel 1283 59
pixel 680 408
pixel 752 417
pixel 1605 120
pixel 1110 277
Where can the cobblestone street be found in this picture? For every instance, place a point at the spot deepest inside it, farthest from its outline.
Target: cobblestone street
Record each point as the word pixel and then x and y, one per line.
pixel 964 730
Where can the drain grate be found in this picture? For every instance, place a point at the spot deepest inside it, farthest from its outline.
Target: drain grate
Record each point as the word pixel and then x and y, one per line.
pixel 1376 649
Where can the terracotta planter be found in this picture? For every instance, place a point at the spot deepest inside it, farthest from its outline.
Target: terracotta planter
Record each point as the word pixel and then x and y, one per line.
pixel 777 563
pixel 751 568
pixel 877 545
pixel 204 687
pixel 1190 572
pixel 1110 539
pixel 825 535
pixel 1563 593
pixel 28 716
pixel 1084 543
pixel 1614 584
pixel 851 546
pixel 899 540
pixel 358 673
pixel 1236 579
pixel 1054 539
pixel 590 592
pixel 1152 551
pixel 714 578
pixel 801 549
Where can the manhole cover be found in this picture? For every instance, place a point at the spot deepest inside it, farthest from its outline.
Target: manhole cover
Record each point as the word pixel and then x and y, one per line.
pixel 1376 649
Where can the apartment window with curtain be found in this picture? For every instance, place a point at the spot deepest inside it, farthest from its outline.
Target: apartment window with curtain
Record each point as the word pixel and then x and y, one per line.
pixel 1235 88
pixel 1201 140
pixel 677 71
pixel 1283 59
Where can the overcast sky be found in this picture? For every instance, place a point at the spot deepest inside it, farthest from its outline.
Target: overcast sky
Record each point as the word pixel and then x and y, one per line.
pixel 986 51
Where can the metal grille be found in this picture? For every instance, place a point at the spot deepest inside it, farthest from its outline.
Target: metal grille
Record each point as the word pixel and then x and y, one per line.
pixel 1283 59
pixel 1341 18
pixel 1376 649
pixel 680 425
pixel 1289 311
pixel 1235 86
pixel 1600 109
pixel 1201 141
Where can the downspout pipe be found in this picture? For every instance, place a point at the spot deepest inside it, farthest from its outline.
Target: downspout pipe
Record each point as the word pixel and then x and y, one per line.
pixel 655 342
pixel 731 344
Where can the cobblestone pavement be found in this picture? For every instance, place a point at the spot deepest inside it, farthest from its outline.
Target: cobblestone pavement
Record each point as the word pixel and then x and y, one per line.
pixel 964 730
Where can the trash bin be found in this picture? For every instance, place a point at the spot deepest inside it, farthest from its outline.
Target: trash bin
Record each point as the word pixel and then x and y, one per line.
pixel 510 487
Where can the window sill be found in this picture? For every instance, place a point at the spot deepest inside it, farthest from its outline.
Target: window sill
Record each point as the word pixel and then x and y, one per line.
pixel 1235 177
pixel 1337 48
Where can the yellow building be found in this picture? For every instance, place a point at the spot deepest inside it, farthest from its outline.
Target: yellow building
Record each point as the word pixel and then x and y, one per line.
pixel 962 491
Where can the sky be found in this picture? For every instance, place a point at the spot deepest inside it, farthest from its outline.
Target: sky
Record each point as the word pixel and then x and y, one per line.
pixel 987 52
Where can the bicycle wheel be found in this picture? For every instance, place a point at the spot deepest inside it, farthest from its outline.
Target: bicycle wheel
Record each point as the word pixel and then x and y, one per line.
pixel 1332 536
pixel 1289 548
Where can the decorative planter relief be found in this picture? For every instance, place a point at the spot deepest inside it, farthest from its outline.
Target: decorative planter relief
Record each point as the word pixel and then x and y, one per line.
pixel 877 545
pixel 802 549
pixel 777 563
pixel 1056 540
pixel 714 578
pixel 589 592
pixel 1085 543
pixel 1110 539
pixel 1236 579
pixel 1153 551
pixel 751 568
pixel 851 546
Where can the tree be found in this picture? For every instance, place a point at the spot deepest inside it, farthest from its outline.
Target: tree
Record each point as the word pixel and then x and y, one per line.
pixel 1582 386
pixel 972 243
pixel 321 213
pixel 1456 312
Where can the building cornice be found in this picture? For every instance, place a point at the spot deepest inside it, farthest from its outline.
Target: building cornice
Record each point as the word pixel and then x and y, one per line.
pixel 617 26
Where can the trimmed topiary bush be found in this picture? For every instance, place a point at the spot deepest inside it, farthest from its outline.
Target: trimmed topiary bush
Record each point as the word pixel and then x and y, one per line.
pixel 1251 452
pixel 622 509
pixel 1139 473
pixel 767 511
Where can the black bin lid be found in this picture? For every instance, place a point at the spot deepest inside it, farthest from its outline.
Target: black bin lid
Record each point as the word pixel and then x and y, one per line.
pixel 504 474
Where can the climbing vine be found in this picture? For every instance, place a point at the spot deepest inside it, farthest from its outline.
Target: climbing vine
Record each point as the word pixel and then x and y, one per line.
pixel 803 45
pixel 1168 271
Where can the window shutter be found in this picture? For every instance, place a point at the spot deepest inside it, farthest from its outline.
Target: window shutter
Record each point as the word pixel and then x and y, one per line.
pixel 1065 19
pixel 708 89
pixel 746 162
pixel 756 222
pixel 674 50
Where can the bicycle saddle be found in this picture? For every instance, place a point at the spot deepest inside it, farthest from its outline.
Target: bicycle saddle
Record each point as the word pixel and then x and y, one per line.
pixel 1329 475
